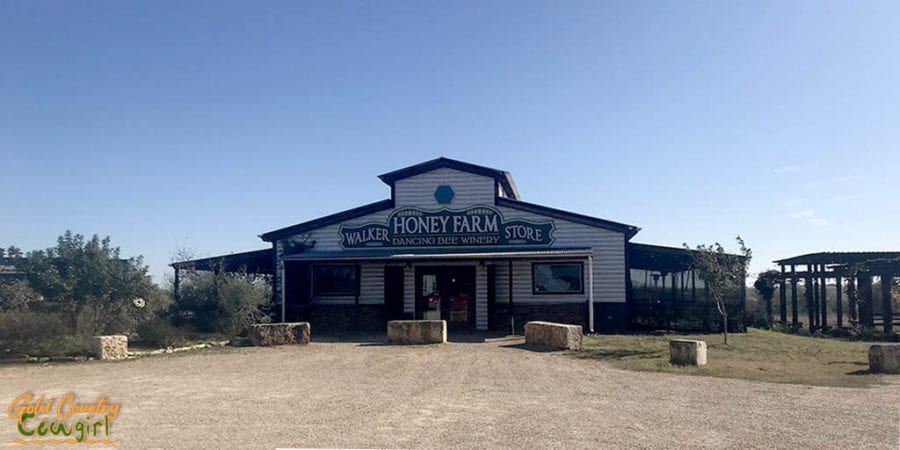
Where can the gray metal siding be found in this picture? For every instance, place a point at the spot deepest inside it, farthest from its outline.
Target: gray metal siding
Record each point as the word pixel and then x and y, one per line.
pixel 609 259
pixel 371 285
pixel 469 189
pixel 481 312
pixel 409 290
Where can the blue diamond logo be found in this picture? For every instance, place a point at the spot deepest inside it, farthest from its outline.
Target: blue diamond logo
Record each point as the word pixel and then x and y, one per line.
pixel 444 194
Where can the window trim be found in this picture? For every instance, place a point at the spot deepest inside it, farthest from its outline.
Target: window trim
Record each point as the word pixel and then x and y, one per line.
pixel 315 287
pixel 535 291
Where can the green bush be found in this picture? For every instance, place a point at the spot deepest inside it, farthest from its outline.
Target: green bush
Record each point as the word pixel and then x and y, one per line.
pixel 159 333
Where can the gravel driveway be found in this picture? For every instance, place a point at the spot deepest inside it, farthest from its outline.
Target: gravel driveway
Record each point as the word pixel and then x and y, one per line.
pixel 485 394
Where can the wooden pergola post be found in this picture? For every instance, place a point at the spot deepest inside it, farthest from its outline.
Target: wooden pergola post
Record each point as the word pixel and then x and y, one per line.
pixel 816 300
pixel 808 291
pixel 674 302
pixel 795 320
pixel 824 305
pixel 886 303
pixel 852 300
pixel 838 290
pixel 782 297
pixel 865 300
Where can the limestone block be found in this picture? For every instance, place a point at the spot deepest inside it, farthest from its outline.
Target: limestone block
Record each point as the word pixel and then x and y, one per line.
pixel 110 347
pixel 686 352
pixel 553 334
pixel 884 358
pixel 279 333
pixel 417 331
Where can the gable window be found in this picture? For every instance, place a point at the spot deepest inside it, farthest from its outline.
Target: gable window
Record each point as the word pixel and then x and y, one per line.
pixel 557 278
pixel 335 280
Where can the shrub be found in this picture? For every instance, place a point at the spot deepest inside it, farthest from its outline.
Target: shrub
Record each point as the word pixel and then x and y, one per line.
pixel 24 331
pixel 219 302
pixel 159 333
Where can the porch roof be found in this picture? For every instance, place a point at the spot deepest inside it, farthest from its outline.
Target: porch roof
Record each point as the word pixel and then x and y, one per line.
pixel 394 254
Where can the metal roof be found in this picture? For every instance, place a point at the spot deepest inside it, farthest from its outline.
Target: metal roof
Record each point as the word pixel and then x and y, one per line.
pixel 661 258
pixel 328 220
pixel 502 176
pixel 837 257
pixel 257 261
pixel 438 253
pixel 628 230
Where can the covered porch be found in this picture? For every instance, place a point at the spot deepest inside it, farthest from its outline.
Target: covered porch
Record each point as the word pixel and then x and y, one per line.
pixel 482 289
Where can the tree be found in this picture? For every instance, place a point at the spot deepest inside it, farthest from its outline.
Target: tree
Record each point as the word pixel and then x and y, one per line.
pixel 766 284
pixel 89 282
pixel 721 271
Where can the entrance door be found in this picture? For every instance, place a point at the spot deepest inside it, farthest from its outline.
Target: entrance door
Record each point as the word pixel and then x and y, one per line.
pixel 393 292
pixel 446 293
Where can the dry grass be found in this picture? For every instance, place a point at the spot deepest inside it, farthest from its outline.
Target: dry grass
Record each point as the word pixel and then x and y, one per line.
pixel 756 355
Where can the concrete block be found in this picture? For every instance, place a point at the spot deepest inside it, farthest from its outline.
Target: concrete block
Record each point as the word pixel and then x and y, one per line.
pixel 686 352
pixel 884 358
pixel 553 334
pixel 417 331
pixel 287 333
pixel 110 347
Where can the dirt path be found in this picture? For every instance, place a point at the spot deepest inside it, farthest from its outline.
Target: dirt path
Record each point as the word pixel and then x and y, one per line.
pixel 489 394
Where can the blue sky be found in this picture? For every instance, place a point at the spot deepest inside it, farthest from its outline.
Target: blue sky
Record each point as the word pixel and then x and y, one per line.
pixel 204 124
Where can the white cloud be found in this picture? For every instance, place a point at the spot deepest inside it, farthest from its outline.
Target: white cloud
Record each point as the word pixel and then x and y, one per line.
pixel 809 216
pixel 790 168
pixel 805 214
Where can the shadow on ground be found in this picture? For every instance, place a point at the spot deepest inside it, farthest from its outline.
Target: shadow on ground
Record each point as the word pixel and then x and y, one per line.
pixel 535 348
pixel 376 338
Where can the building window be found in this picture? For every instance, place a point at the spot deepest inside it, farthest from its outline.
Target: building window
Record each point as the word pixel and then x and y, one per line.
pixel 557 278
pixel 329 281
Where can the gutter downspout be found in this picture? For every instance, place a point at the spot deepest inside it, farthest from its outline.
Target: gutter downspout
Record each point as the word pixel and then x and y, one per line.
pixel 591 294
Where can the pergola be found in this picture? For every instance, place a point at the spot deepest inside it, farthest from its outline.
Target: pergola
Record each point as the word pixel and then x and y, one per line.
pixel 258 261
pixel 857 269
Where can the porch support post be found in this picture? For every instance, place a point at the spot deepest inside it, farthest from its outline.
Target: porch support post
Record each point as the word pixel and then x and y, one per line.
pixel 177 283
pixel 591 293
pixel 281 285
pixel 512 315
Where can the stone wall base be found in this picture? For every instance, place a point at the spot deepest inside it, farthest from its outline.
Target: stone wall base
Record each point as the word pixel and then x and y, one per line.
pixel 570 313
pixel 340 318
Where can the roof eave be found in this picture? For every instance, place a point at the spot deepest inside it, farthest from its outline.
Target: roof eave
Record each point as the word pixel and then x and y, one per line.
pixel 328 220
pixel 628 230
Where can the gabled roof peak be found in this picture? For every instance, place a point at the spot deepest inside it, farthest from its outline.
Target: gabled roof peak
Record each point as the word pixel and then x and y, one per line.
pixel 502 177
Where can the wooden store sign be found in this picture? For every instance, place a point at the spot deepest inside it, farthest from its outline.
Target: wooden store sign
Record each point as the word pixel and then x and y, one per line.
pixel 478 226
